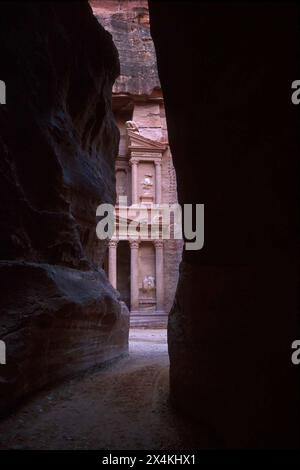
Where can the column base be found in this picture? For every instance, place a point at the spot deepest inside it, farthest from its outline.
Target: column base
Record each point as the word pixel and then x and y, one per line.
pixel 135 312
pixel 158 319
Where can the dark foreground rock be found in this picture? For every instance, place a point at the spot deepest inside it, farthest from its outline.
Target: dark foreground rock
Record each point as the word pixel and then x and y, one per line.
pixel 226 75
pixel 58 140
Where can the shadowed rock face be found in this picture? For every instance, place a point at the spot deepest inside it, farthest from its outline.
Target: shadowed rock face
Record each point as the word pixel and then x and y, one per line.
pixel 226 75
pixel 58 141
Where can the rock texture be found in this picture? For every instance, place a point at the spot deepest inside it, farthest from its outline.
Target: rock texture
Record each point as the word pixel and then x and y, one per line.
pixel 58 140
pixel 226 75
pixel 128 22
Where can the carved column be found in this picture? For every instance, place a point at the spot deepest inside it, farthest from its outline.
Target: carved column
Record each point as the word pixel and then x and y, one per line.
pixel 112 262
pixel 134 183
pixel 159 268
pixel 157 182
pixel 134 283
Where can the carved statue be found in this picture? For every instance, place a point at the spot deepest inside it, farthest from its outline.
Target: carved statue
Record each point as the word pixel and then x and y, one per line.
pixel 147 183
pixel 148 283
pixel 132 126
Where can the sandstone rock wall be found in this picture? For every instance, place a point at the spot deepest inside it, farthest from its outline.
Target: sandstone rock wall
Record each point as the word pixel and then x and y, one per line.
pixel 226 74
pixel 58 141
pixel 128 22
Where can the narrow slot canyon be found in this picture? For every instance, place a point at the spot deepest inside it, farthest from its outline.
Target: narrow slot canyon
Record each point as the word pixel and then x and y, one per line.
pixel 124 406
pixel 136 341
pixel 110 386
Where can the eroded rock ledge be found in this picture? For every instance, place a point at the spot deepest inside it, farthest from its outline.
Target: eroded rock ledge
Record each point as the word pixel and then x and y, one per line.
pixel 58 140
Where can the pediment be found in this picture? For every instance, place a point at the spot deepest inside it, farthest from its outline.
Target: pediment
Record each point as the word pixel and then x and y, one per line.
pixel 139 142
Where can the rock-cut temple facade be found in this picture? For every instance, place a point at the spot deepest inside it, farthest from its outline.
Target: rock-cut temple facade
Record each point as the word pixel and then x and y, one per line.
pixel 143 268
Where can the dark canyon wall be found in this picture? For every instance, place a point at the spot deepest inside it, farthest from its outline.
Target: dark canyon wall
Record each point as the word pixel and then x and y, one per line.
pixel 58 140
pixel 226 74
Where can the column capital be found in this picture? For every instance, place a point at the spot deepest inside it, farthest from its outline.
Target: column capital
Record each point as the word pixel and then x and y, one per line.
pixel 112 243
pixel 133 162
pixel 158 243
pixel 134 243
pixel 158 162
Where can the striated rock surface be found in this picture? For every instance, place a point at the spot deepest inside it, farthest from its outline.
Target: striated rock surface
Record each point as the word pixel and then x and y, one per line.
pixel 226 75
pixel 128 22
pixel 58 141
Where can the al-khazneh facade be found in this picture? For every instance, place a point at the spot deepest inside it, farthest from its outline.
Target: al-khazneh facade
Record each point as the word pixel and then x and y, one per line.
pixel 143 270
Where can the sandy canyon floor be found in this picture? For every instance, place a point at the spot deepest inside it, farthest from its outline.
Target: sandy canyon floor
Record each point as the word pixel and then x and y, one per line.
pixel 123 406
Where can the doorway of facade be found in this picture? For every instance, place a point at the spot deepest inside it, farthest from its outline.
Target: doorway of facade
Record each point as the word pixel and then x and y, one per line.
pixel 123 272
